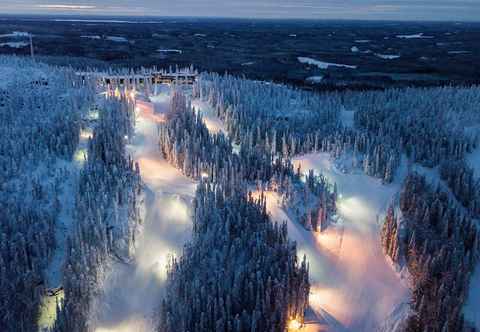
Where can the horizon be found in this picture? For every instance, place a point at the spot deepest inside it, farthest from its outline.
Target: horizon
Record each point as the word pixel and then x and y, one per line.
pixel 92 17
pixel 363 10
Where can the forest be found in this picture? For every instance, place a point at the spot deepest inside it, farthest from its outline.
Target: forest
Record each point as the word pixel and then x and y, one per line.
pixel 239 270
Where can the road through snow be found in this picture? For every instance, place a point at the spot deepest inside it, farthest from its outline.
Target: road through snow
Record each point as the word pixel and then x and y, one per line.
pixel 132 292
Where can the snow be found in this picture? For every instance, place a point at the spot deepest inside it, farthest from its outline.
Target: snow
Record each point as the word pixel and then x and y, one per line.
pixel 346 116
pixel 387 56
pixel 249 63
pixel 132 292
pixel 117 39
pixel 362 41
pixel 314 79
pixel 16 34
pixel 459 52
pixel 213 123
pixel 91 36
pixel 472 305
pixel 169 51
pixel 354 49
pixel 200 35
pixel 64 227
pixel 414 36
pixel 471 308
pixel 473 159
pixel 354 287
pixel 322 64
pixel 14 44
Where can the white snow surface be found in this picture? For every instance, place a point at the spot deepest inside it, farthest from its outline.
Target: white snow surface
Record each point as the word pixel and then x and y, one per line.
pixel 472 305
pixel 322 64
pixel 414 36
pixel 314 79
pixel 459 52
pixel 211 120
pixel 117 39
pixel 387 56
pixel 354 287
pixel 65 219
pixel 16 34
pixel 471 308
pixel 161 50
pixel 346 116
pixel 19 44
pixel 355 49
pixel 91 36
pixel 132 292
pixel 473 159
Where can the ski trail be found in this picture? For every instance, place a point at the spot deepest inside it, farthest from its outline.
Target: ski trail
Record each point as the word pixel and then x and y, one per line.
pixel 133 292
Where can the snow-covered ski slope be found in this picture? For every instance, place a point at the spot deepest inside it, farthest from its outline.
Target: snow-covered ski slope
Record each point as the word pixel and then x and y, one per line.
pixel 472 306
pixel 351 278
pixel 131 292
pixel 353 285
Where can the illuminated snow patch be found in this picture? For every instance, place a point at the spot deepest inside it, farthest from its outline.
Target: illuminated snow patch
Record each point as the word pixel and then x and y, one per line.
pixel 86 133
pixel 134 324
pixel 48 310
pixel 92 114
pixel 80 156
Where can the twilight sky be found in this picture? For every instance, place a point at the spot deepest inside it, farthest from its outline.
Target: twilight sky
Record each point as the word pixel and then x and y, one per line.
pixel 460 10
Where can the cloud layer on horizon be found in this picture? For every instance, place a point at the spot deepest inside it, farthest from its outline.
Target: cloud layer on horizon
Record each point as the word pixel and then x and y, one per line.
pixel 313 9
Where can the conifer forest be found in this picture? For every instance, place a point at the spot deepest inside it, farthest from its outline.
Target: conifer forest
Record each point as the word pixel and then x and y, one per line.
pixel 174 199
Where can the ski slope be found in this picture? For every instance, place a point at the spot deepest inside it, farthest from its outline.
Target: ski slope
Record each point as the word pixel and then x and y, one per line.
pixel 353 285
pixel 132 292
pixel 352 281
pixel 472 305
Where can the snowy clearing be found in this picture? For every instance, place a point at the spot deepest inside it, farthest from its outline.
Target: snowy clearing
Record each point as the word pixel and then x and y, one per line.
pixel 354 49
pixel 117 39
pixel 161 50
pixel 14 44
pixel 414 36
pixel 322 64
pixel 91 37
pixel 387 56
pixel 314 79
pixel 16 34
pixel 459 52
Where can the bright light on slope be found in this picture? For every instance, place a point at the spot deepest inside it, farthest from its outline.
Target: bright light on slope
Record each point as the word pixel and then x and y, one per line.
pixel 294 325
